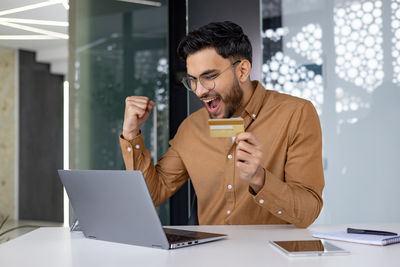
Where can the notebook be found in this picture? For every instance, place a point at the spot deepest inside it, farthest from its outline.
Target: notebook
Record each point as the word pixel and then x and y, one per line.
pixel 377 240
pixel 116 206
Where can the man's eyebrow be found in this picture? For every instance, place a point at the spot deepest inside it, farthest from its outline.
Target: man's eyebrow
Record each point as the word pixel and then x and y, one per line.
pixel 204 73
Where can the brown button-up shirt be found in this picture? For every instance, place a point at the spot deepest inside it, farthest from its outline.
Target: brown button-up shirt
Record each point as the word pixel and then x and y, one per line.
pixel 290 132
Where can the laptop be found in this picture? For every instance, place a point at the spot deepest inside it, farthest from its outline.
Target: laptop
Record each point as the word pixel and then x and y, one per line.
pixel 116 206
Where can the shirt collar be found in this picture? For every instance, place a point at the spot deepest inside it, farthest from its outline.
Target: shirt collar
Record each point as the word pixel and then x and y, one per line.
pixel 253 107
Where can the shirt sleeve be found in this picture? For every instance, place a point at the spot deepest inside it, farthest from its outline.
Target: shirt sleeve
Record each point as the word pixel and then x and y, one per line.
pixel 298 198
pixel 163 179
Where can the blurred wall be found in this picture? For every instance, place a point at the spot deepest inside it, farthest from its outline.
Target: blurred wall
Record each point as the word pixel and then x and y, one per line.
pixel 7 131
pixel 40 192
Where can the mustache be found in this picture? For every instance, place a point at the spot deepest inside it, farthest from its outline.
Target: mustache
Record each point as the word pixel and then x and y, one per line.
pixel 210 96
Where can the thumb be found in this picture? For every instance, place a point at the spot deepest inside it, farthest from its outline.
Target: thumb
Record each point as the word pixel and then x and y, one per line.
pixel 150 106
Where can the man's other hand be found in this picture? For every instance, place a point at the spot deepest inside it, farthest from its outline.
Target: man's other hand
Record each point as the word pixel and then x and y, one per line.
pixel 249 155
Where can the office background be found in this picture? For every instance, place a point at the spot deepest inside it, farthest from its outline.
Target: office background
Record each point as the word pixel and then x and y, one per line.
pixel 343 55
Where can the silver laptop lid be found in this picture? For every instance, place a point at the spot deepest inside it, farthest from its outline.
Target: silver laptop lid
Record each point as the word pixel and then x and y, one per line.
pixel 114 206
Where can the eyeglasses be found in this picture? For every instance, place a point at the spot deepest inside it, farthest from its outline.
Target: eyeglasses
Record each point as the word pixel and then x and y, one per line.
pixel 206 80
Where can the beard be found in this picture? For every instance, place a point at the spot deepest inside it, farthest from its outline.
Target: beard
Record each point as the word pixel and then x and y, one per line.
pixel 232 101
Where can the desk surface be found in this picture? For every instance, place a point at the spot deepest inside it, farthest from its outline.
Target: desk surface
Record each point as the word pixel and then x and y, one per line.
pixel 246 245
pixel 21 231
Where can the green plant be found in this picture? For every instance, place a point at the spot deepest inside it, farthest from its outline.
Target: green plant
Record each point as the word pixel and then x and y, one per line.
pixel 2 233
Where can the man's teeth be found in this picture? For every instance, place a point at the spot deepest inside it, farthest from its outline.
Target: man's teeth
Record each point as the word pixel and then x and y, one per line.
pixel 209 100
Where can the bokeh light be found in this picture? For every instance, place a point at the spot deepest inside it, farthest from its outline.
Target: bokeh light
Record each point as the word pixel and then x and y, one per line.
pixel 285 75
pixel 395 7
pixel 308 43
pixel 358 41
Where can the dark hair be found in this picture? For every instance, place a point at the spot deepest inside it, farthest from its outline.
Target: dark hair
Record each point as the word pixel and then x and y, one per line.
pixel 226 37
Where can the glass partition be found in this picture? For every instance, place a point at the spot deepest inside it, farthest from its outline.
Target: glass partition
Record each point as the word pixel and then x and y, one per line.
pixel 343 55
pixel 118 49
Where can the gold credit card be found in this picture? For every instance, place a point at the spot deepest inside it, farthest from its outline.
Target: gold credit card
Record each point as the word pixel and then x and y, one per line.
pixel 226 127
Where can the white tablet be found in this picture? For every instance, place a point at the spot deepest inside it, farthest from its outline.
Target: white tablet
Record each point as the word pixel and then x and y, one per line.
pixel 308 248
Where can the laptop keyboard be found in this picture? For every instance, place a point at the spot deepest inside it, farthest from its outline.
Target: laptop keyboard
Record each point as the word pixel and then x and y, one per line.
pixel 176 236
pixel 180 236
pixel 172 238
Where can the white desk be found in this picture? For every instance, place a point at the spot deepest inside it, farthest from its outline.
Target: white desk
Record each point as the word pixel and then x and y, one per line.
pixel 246 246
pixel 21 231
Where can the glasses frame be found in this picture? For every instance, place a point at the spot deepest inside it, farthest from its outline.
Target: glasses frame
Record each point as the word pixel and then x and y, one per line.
pixel 187 79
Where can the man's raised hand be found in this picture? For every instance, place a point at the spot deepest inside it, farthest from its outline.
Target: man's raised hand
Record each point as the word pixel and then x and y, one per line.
pixel 137 110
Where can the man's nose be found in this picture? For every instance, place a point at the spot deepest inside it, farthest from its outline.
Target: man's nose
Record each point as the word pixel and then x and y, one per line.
pixel 201 90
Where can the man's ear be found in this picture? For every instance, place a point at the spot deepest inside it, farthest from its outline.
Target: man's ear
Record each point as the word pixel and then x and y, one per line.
pixel 243 70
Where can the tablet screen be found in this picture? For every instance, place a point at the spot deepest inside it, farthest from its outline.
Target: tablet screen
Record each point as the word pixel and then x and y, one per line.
pixel 308 247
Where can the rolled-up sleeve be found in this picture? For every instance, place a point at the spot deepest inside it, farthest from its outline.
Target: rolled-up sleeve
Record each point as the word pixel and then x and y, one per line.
pixel 163 179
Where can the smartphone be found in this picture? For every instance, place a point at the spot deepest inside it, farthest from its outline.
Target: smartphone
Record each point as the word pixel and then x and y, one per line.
pixel 308 248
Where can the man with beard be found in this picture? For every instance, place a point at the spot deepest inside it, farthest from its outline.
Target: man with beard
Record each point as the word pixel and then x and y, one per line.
pixel 270 174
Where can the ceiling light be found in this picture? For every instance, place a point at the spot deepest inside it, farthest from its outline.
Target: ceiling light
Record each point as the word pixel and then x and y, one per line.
pixel 26 37
pixel 36 30
pixel 37 22
pixel 28 7
pixel 142 2
pixel 65 4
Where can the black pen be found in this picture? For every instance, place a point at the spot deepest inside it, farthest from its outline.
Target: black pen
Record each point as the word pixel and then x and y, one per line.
pixel 368 232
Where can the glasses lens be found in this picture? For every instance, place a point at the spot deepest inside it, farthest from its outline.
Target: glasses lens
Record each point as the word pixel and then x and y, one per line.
pixel 189 83
pixel 207 82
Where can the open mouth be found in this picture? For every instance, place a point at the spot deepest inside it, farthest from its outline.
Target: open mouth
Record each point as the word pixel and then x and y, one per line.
pixel 212 103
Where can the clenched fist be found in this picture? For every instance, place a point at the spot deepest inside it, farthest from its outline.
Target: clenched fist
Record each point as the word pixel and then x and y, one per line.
pixel 137 110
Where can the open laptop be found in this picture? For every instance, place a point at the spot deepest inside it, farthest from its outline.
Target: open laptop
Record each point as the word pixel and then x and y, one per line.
pixel 116 206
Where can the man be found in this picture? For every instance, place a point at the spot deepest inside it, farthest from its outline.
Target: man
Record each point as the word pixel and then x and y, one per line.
pixel 270 174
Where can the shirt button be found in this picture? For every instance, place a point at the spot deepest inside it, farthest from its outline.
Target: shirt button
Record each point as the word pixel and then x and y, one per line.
pixel 279 212
pixel 137 146
pixel 254 116
pixel 229 186
pixel 229 156
pixel 228 212
pixel 129 149
pixel 261 201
